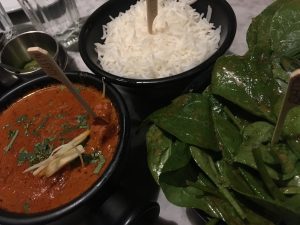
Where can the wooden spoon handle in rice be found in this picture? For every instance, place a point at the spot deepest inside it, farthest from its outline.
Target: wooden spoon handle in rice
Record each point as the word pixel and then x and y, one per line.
pixel 151 13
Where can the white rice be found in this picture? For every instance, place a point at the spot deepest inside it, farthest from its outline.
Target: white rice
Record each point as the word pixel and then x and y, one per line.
pixel 182 39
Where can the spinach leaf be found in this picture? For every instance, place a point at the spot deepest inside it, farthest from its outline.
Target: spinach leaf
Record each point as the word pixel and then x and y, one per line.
pixel 165 155
pixel 269 183
pixel 281 211
pixel 206 163
pixel 181 188
pixel 293 186
pixel 188 119
pixel 295 182
pixel 228 135
pixel 289 64
pixel 256 135
pixel 258 35
pixel 158 151
pixel 287 160
pixel 244 177
pixel 247 81
pixel 213 221
pixel 291 129
pixel 291 190
pixel 179 157
pixel 285 29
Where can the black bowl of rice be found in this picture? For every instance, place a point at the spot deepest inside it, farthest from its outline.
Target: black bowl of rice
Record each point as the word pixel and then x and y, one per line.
pixel 152 69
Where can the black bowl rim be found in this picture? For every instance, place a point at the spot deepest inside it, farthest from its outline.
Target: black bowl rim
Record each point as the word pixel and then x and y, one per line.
pixel 150 82
pixel 118 101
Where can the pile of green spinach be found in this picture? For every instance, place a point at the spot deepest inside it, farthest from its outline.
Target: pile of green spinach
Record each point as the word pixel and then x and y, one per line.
pixel 212 151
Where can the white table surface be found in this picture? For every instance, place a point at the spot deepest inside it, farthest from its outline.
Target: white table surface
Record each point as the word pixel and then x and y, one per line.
pixel 245 10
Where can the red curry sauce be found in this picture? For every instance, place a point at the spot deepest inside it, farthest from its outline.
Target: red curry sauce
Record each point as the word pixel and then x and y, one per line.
pixel 51 114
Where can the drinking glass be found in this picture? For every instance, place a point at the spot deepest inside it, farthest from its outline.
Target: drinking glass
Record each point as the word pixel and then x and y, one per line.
pixel 6 26
pixel 59 18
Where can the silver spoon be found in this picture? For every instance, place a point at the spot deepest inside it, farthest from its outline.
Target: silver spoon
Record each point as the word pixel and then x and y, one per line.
pixel 51 68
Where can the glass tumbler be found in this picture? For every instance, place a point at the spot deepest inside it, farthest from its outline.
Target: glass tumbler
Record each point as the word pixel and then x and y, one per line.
pixel 59 18
pixel 6 26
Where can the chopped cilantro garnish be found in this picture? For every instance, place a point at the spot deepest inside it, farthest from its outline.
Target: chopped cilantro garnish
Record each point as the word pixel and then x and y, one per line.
pixel 12 135
pixel 41 151
pixel 60 116
pixel 100 163
pixel 78 89
pixel 26 207
pixel 67 128
pixel 23 118
pixel 23 156
pixel 41 125
pixel 95 157
pixel 82 121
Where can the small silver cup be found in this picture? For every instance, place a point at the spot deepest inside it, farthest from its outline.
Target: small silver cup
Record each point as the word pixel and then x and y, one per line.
pixel 15 59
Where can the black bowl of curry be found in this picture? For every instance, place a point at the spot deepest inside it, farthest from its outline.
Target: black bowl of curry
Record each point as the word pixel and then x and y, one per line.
pixel 41 124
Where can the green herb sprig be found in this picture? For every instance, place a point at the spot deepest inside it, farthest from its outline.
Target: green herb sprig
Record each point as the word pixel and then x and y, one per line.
pixel 95 157
pixel 26 207
pixel 24 119
pixel 41 151
pixel 82 123
pixel 12 135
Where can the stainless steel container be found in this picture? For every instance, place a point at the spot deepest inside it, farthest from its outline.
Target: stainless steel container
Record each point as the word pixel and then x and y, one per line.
pixel 14 52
